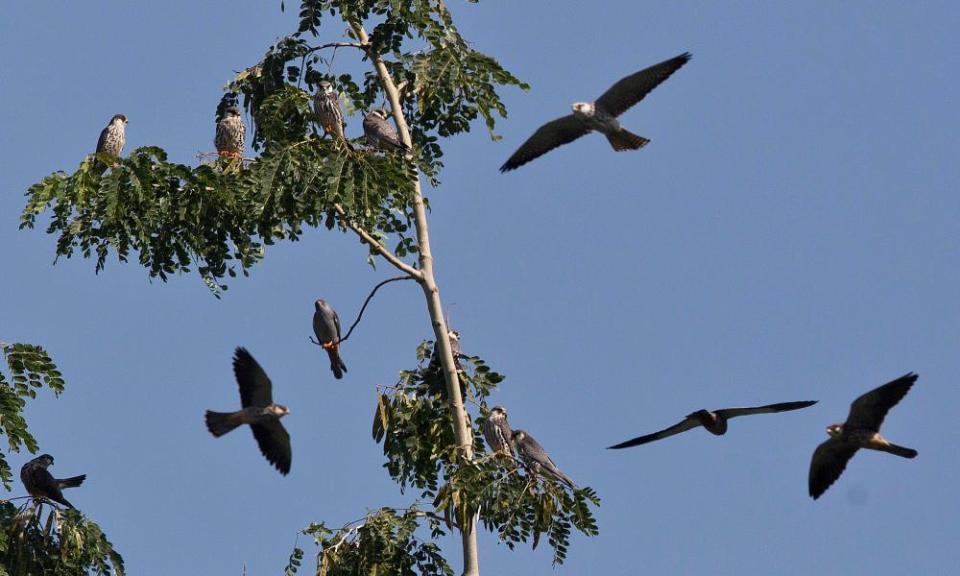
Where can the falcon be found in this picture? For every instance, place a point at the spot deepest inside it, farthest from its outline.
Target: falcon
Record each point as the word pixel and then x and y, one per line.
pixel 231 132
pixel 380 133
pixel 497 431
pixel 861 430
pixel 112 138
pixel 41 484
pixel 600 115
pixel 433 374
pixel 535 457
pixel 259 411
pixel 326 325
pixel 326 105
pixel 715 422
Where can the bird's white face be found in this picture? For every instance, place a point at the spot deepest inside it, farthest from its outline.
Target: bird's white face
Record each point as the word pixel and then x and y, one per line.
pixel 583 108
pixel 326 87
pixel 835 430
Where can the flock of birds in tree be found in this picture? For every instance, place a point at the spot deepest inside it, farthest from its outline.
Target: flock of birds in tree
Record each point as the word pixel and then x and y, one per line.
pixel 860 430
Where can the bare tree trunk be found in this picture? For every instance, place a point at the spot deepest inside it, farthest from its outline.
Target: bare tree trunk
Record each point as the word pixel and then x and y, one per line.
pixel 462 432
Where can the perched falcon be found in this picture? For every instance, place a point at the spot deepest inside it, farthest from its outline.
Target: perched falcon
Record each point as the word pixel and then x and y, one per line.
pixel 41 484
pixel 112 138
pixel 380 133
pixel 433 375
pixel 861 430
pixel 259 411
pixel 535 457
pixel 231 132
pixel 715 422
pixel 326 105
pixel 600 115
pixel 497 431
pixel 326 325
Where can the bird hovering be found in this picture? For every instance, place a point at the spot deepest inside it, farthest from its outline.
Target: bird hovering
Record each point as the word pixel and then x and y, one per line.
pixel 380 133
pixel 496 430
pixel 861 430
pixel 41 484
pixel 600 115
pixel 326 105
pixel 715 422
pixel 535 457
pixel 259 411
pixel 326 326
pixel 231 132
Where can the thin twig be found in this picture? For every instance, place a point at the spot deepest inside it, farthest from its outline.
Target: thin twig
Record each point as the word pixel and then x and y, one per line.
pixel 378 247
pixel 364 307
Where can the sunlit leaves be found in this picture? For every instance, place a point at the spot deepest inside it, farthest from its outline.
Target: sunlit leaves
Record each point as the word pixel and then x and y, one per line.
pixel 65 543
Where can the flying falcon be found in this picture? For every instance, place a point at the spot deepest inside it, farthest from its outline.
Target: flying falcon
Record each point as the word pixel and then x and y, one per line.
pixel 112 138
pixel 380 133
pixel 600 115
pixel 326 325
pixel 861 430
pixel 41 484
pixel 497 431
pixel 259 411
pixel 535 457
pixel 231 132
pixel 326 105
pixel 715 422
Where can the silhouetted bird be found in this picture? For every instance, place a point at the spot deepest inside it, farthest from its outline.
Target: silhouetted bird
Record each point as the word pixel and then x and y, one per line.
pixel 41 484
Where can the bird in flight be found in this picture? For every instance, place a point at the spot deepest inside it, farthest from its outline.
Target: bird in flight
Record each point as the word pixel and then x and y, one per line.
pixel 496 430
pixel 41 484
pixel 326 326
pixel 535 457
pixel 231 132
pixel 715 422
pixel 861 430
pixel 600 115
pixel 259 411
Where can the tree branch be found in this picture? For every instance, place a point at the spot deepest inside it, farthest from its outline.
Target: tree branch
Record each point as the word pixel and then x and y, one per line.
pixel 364 307
pixel 378 247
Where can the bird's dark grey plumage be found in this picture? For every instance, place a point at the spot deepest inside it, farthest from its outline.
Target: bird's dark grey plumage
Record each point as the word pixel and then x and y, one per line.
pixel 497 432
pixel 231 133
pixel 600 115
pixel 259 411
pixel 861 430
pixel 326 326
pixel 326 105
pixel 535 458
pixel 715 422
pixel 41 484
pixel 380 133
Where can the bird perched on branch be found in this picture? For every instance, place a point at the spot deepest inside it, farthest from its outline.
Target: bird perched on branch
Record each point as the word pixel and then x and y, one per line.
pixel 326 326
pixel 535 457
pixel 41 484
pixel 496 431
pixel 326 105
pixel 600 115
pixel 231 132
pixel 380 133
pixel 259 411
pixel 861 430
pixel 112 139
pixel 715 422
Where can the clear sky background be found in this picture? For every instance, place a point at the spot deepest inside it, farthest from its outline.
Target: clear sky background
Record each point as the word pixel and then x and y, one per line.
pixel 790 233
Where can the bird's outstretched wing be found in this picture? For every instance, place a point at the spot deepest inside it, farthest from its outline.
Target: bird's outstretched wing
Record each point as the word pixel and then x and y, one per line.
pixel 552 134
pixel 274 442
pixel 869 410
pixel 630 90
pixel 255 387
pixel 687 423
pixel 828 462
pixel 768 409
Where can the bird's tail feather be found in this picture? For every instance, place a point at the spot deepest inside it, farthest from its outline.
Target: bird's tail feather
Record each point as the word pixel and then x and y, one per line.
pixel 900 451
pixel 626 140
pixel 219 423
pixel 72 482
pixel 336 363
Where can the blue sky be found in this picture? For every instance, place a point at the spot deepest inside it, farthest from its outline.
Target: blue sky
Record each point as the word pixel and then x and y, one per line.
pixel 789 234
